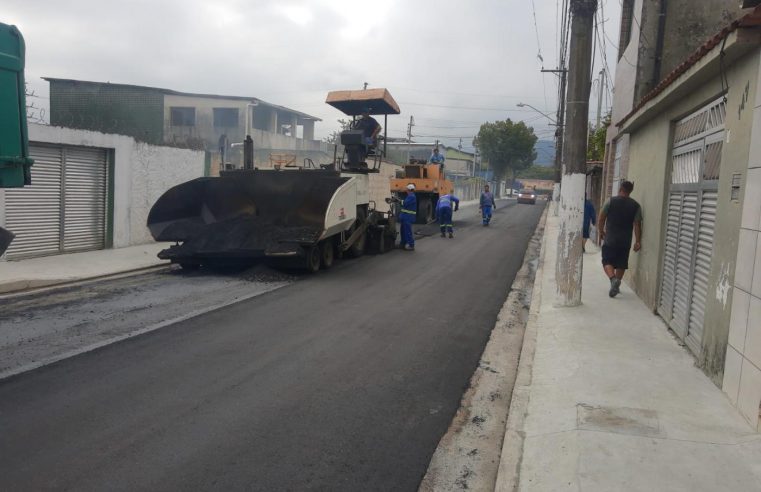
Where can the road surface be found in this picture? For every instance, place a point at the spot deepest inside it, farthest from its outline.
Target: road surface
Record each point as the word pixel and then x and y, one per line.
pixel 345 380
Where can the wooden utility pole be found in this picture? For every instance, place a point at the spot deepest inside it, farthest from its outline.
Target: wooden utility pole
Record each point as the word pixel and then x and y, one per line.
pixel 568 268
pixel 559 121
pixel 601 91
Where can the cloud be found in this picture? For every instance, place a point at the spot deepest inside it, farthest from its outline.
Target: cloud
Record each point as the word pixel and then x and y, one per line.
pixel 439 58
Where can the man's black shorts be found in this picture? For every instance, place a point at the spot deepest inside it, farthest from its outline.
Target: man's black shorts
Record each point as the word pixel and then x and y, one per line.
pixel 616 256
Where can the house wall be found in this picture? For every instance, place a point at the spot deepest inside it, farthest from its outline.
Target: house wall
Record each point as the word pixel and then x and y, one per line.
pixel 462 167
pixel 742 370
pixel 689 24
pixel 204 130
pixel 107 108
pixel 649 169
pixel 142 172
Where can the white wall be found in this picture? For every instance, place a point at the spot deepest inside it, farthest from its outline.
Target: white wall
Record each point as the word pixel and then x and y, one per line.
pixel 154 170
pixel 142 173
pixel 742 369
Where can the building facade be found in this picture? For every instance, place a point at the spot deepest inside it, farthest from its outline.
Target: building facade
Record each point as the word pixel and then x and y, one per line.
pixel 689 141
pixel 215 123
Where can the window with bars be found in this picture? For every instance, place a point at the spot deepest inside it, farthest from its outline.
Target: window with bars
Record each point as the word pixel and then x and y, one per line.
pixel 697 125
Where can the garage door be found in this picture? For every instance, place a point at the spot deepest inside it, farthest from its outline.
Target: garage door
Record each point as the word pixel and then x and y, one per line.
pixel 690 222
pixel 64 210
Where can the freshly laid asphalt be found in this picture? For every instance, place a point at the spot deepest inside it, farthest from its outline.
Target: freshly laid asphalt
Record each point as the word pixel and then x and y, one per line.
pixel 345 380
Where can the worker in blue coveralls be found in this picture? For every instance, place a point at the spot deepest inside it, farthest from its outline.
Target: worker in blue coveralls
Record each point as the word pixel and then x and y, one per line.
pixel 407 218
pixel 436 158
pixel 444 213
pixel 486 204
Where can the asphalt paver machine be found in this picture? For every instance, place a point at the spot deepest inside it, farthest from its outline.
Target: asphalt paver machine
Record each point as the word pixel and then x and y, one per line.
pixel 297 215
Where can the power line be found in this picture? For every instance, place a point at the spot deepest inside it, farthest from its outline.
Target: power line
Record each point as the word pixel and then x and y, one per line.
pixel 428 91
pixel 465 107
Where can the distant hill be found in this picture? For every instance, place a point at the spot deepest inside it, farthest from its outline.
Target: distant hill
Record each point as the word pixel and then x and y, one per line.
pixel 545 153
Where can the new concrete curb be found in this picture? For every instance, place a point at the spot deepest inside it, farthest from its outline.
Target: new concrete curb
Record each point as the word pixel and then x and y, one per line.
pixel 508 475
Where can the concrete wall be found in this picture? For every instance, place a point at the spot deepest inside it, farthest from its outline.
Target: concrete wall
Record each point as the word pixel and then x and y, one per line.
pixel 689 24
pixel 142 173
pixel 649 169
pixel 742 370
pixel 154 170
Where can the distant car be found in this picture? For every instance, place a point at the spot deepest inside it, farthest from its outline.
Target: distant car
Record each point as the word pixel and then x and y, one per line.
pixel 527 196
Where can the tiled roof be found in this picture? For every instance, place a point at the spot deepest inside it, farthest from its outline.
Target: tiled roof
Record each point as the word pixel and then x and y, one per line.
pixel 752 19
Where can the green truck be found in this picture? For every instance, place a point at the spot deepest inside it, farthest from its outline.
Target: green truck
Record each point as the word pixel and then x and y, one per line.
pixel 15 163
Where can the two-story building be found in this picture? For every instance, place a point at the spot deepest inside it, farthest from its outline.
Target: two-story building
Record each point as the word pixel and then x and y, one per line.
pixel 686 130
pixel 200 121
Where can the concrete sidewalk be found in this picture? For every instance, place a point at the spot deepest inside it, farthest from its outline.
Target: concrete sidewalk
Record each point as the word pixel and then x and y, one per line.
pixel 606 399
pixel 61 269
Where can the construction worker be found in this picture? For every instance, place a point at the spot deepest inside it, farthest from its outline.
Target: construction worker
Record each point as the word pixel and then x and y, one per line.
pixel 444 213
pixel 370 129
pixel 436 158
pixel 486 204
pixel 407 218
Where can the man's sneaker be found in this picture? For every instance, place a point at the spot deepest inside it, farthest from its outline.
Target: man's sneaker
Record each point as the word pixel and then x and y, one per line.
pixel 443 235
pixel 451 236
pixel 615 284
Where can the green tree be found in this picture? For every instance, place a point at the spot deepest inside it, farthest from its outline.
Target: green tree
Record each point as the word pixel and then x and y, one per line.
pixel 335 136
pixel 596 144
pixel 507 145
pixel 537 172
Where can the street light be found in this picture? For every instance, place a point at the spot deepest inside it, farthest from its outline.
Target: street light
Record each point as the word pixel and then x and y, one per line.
pixel 521 105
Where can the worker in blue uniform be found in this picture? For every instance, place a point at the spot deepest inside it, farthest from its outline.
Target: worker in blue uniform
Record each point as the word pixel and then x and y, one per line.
pixel 407 218
pixel 436 157
pixel 444 213
pixel 486 204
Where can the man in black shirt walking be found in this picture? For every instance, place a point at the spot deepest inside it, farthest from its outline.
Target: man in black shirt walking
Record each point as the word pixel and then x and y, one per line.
pixel 617 218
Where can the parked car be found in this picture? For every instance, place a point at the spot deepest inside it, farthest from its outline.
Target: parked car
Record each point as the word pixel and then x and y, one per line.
pixel 527 196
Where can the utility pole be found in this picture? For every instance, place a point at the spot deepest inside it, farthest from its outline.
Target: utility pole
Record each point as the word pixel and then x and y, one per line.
pixel 559 128
pixel 409 137
pixel 568 267
pixel 601 90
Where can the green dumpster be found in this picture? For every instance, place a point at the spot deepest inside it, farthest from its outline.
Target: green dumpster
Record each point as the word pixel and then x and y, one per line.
pixel 14 140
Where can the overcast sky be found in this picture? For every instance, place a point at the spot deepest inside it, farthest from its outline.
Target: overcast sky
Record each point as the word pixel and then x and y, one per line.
pixel 452 64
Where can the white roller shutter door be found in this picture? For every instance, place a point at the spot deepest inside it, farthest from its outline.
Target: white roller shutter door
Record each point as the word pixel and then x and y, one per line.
pixel 64 210
pixel 84 209
pixel 33 213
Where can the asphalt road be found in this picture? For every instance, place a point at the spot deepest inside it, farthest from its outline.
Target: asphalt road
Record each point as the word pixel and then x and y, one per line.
pixel 342 381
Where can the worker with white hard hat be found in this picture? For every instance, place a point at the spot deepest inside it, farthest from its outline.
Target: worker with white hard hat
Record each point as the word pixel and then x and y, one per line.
pixel 407 218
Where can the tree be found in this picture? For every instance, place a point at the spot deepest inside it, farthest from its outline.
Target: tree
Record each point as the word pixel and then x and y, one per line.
pixel 507 146
pixel 335 136
pixel 596 144
pixel 537 172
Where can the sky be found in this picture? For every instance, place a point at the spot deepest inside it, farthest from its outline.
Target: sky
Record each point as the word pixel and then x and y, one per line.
pixel 451 64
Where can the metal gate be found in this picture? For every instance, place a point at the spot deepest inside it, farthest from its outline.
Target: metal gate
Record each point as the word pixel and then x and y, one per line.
pixel 64 210
pixel 690 222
